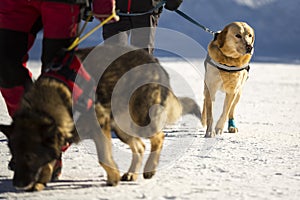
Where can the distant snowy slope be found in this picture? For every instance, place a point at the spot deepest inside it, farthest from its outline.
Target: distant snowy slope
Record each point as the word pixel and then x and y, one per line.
pixel 276 23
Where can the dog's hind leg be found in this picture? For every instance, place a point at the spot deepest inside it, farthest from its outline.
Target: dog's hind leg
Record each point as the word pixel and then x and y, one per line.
pixel 231 125
pixel 156 147
pixel 207 113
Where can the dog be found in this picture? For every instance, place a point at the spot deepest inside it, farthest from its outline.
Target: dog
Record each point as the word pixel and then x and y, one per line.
pixel 227 66
pixel 44 122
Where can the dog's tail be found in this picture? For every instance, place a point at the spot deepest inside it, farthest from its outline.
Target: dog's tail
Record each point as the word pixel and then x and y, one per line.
pixel 189 106
pixel 177 107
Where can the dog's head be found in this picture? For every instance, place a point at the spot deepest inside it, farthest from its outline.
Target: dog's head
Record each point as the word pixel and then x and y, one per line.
pixel 235 40
pixel 33 141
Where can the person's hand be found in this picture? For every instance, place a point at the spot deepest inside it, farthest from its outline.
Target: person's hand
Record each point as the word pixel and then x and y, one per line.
pixel 86 15
pixel 173 4
pixel 102 9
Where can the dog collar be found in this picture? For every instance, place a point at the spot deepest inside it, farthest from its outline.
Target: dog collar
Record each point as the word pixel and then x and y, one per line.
pixel 225 67
pixel 79 82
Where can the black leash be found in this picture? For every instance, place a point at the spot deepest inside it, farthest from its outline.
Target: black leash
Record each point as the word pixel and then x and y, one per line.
pixel 182 14
pixel 159 5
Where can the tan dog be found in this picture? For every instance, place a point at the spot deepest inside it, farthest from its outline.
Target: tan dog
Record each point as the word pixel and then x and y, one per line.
pixel 227 67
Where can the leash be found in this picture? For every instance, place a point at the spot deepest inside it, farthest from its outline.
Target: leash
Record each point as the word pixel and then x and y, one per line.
pixel 185 16
pixel 78 40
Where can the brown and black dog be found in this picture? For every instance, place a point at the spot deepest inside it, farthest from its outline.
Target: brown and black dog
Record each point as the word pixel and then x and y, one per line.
pixel 44 122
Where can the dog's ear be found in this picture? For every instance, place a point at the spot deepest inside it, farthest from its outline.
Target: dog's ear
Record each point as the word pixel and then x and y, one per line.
pixel 6 129
pixel 221 37
pixel 216 35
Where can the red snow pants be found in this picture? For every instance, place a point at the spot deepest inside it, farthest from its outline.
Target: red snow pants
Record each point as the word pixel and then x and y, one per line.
pixel 20 20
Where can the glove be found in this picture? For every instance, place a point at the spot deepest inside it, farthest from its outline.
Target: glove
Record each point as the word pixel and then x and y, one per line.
pixel 173 4
pixel 104 8
pixel 86 13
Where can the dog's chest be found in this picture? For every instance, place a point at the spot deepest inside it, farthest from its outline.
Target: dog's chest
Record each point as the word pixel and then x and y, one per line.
pixel 233 81
pixel 229 82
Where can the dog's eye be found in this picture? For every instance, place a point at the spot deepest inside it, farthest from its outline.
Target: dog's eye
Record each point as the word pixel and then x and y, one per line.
pixel 250 35
pixel 238 36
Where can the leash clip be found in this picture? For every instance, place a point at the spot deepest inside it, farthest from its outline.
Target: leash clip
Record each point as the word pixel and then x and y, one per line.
pixel 55 67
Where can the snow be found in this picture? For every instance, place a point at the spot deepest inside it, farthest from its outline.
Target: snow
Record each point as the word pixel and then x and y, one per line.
pixel 262 161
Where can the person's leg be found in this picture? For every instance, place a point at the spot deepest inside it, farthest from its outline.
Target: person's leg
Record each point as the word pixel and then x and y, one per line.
pixel 117 33
pixel 16 21
pixel 60 23
pixel 143 32
pixel 37 26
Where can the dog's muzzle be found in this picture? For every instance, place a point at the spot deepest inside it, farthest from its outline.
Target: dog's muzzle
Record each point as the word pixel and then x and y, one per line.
pixel 249 49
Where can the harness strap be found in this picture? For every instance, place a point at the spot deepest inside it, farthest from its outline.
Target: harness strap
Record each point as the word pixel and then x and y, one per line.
pixel 160 4
pixel 225 67
pixel 80 83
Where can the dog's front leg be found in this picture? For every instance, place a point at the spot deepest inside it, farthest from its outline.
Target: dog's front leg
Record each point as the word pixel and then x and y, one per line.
pixel 137 148
pixel 44 177
pixel 102 140
pixel 231 127
pixel 104 151
pixel 229 99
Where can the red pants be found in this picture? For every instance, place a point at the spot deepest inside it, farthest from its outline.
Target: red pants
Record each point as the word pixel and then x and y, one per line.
pixel 18 26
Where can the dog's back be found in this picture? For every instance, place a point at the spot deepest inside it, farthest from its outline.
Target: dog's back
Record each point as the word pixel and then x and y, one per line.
pixel 136 81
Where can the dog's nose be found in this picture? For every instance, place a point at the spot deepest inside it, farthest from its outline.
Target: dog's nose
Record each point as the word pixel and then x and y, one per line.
pixel 249 48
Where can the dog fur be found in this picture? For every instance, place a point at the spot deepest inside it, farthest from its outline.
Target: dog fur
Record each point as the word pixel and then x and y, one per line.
pixel 232 46
pixel 44 122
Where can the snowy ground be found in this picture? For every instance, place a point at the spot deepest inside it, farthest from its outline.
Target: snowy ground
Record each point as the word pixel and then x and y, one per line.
pixel 262 161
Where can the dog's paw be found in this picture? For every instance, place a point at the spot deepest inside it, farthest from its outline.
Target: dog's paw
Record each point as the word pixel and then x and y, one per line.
pixel 232 129
pixel 37 187
pixel 219 131
pixel 231 126
pixel 112 183
pixel 148 175
pixel 210 134
pixel 113 179
pixel 129 177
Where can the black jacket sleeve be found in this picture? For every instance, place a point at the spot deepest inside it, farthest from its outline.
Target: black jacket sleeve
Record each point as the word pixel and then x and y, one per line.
pixel 173 4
